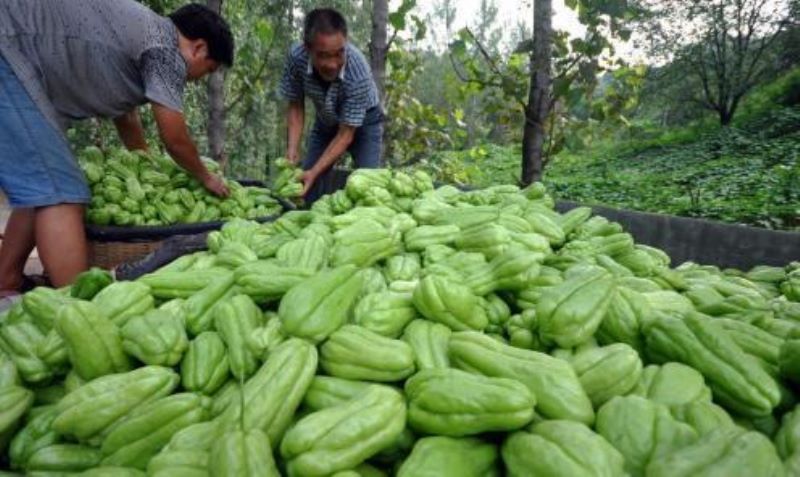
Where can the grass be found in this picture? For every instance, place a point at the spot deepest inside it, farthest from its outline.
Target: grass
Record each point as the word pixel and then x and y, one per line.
pixel 748 173
pixel 734 175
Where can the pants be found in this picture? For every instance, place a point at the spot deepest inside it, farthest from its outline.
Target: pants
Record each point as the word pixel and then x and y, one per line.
pixel 365 149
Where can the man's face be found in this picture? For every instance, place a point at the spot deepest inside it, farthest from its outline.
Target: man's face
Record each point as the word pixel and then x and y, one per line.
pixel 327 54
pixel 199 63
pixel 202 67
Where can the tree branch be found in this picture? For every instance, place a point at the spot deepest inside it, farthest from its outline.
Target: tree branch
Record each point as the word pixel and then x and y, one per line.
pixel 750 75
pixel 458 72
pixel 484 53
pixel 248 87
pixel 493 66
pixel 574 61
pixel 391 40
pixel 701 72
pixel 464 79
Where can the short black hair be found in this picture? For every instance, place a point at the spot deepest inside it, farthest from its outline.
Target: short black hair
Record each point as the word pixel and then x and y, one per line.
pixel 323 20
pixel 196 21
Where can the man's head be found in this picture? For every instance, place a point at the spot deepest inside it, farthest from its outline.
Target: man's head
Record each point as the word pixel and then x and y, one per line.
pixel 206 41
pixel 325 37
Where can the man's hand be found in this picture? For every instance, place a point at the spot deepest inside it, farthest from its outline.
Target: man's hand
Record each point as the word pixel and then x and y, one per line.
pixel 216 185
pixel 175 136
pixel 308 178
pixel 337 147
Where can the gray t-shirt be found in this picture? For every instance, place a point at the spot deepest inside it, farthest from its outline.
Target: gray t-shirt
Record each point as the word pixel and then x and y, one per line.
pixel 92 58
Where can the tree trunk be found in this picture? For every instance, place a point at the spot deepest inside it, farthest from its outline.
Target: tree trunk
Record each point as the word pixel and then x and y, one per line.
pixel 377 53
pixel 377 45
pixel 539 101
pixel 725 117
pixel 216 106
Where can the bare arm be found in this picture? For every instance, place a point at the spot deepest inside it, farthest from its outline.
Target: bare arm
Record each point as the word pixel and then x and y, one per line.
pixel 130 130
pixel 295 117
pixel 337 147
pixel 175 136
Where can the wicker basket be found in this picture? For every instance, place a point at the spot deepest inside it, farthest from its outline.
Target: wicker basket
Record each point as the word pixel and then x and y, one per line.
pixel 111 245
pixel 108 255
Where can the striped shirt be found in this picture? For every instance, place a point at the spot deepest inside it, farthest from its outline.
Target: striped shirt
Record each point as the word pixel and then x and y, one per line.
pixel 343 101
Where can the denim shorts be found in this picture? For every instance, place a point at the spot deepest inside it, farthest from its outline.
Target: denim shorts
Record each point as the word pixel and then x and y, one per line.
pixel 37 167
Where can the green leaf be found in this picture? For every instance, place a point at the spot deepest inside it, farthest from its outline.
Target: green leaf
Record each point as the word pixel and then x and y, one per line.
pixel 407 6
pixel 458 47
pixel 398 20
pixel 614 8
pixel 525 46
pixel 264 31
pixel 561 86
pixel 422 28
pixel 575 97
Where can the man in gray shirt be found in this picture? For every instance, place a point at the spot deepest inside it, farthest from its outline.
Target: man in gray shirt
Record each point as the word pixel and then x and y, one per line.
pixel 66 60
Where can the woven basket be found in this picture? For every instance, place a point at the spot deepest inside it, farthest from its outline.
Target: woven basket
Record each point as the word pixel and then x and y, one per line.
pixel 108 255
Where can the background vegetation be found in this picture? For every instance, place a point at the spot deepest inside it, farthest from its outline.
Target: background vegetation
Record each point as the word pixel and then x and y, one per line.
pixel 705 122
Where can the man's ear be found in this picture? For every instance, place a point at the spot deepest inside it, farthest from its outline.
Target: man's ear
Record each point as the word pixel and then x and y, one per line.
pixel 200 49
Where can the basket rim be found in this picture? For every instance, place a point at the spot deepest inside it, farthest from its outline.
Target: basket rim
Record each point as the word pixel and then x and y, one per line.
pixel 150 233
pixel 140 233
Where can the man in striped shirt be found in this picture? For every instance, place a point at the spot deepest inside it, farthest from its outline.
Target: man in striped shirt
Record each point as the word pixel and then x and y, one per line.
pixel 337 78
